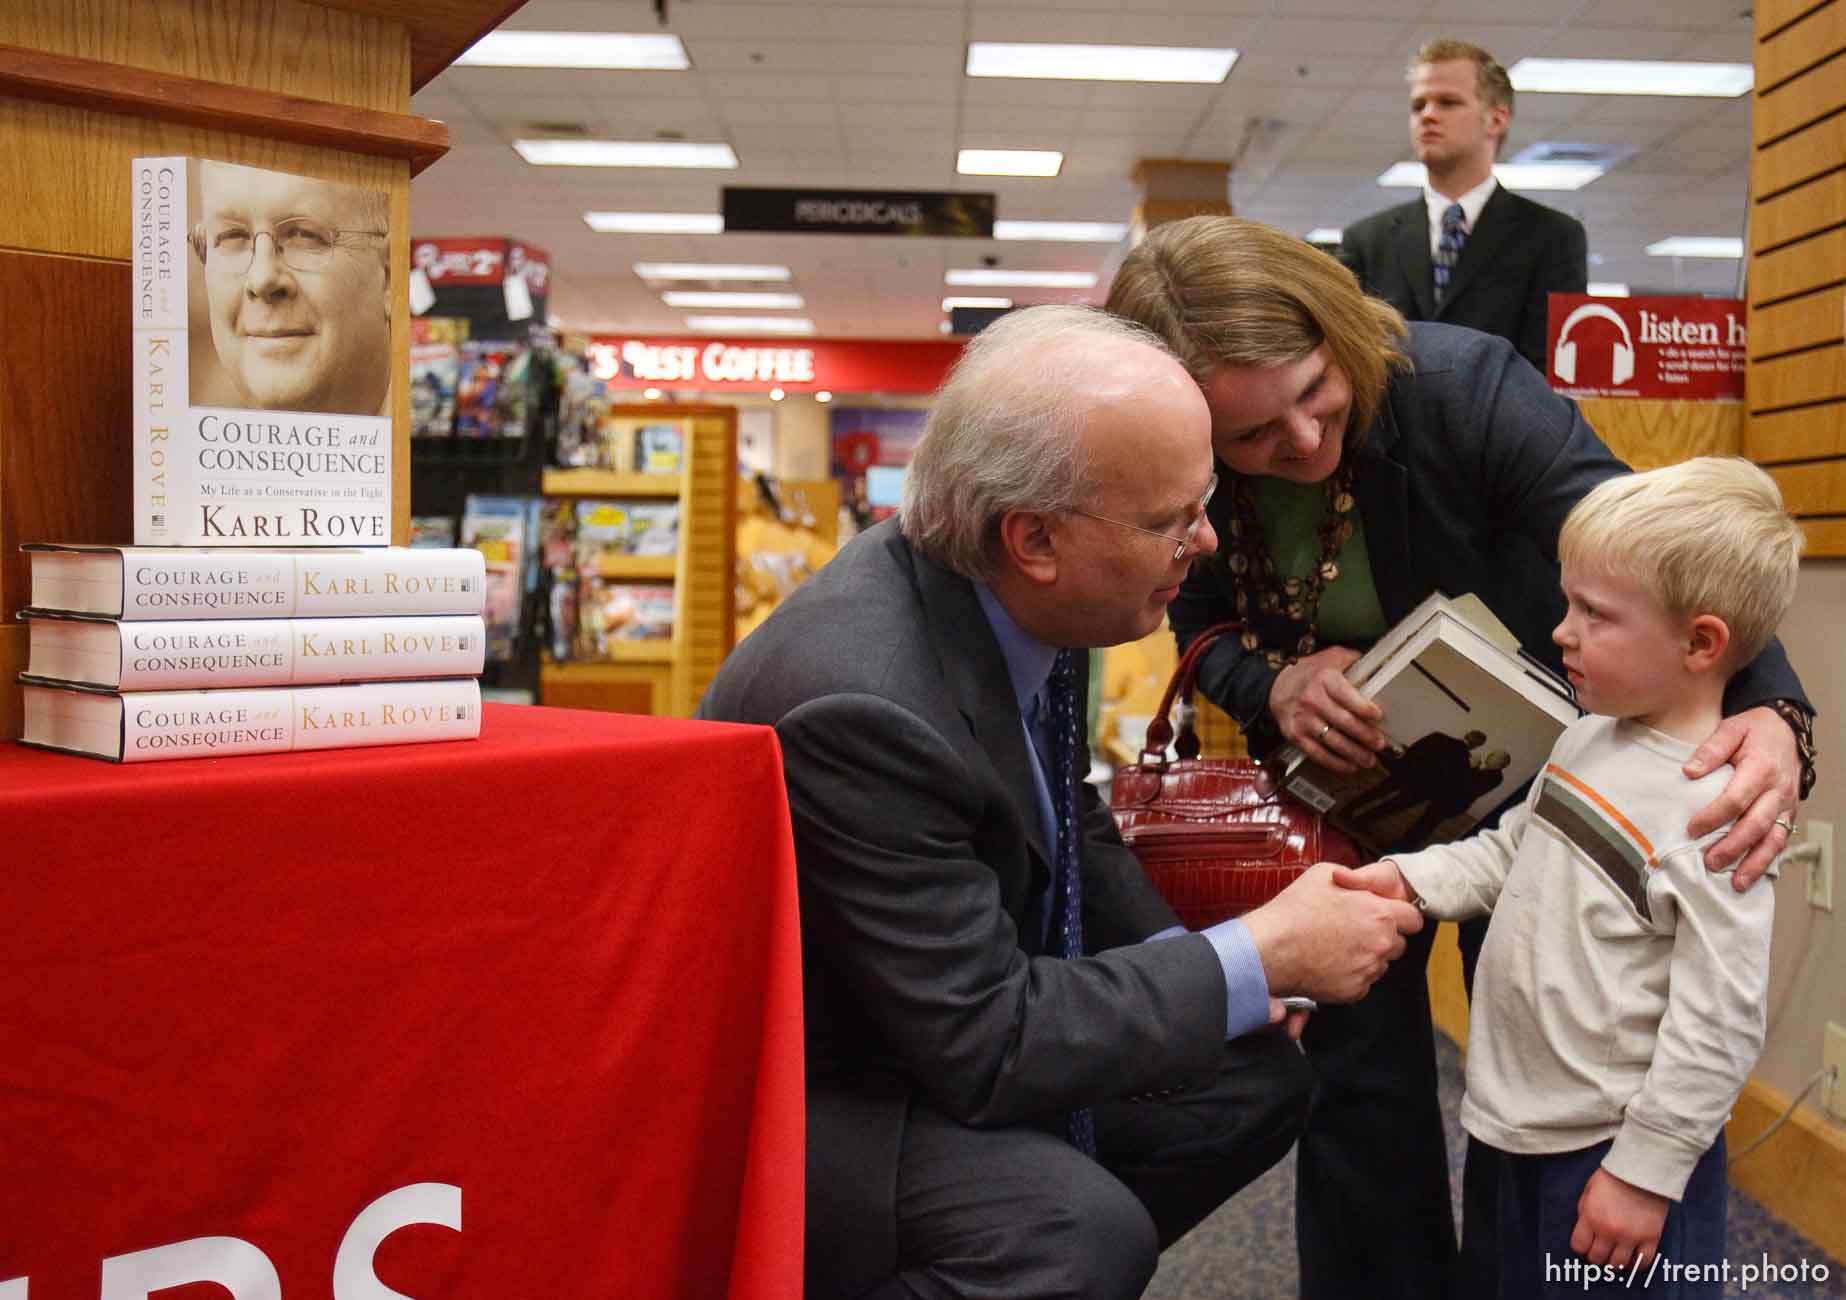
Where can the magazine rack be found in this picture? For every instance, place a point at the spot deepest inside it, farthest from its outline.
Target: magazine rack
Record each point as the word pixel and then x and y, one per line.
pixel 670 677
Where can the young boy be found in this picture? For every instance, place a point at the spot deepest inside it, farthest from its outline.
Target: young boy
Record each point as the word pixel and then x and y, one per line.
pixel 1618 1002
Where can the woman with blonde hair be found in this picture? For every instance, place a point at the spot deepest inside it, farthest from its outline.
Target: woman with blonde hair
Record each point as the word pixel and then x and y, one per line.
pixel 1363 464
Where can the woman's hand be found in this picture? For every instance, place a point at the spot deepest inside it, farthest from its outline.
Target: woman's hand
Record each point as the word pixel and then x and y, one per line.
pixel 1760 796
pixel 1324 715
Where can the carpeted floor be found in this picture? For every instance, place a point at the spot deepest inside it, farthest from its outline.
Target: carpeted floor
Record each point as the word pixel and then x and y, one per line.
pixel 1246 1251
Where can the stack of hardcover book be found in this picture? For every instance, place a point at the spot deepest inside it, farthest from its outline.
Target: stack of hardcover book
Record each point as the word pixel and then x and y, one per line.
pixel 139 653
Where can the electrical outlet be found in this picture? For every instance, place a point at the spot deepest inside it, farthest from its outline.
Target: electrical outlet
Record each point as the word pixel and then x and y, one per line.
pixel 1820 865
pixel 1833 1053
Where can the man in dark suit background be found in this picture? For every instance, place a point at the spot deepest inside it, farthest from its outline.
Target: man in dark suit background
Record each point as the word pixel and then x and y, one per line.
pixel 1469 251
pixel 1056 501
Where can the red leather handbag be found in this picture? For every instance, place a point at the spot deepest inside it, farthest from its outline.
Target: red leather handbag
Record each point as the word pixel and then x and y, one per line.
pixel 1217 836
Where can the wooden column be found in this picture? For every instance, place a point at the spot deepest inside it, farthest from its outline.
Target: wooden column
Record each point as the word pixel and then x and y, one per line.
pixel 85 86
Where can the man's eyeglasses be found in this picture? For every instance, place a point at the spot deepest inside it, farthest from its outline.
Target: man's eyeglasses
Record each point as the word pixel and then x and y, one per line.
pixel 303 245
pixel 1183 541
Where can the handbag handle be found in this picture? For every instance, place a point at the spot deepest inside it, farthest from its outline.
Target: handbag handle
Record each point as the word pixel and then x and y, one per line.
pixel 1185 676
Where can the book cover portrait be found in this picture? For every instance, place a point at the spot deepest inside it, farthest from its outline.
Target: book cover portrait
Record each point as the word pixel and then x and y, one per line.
pixel 288 292
pixel 262 357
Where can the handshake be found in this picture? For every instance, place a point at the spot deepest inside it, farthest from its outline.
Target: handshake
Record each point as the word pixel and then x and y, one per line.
pixel 1332 933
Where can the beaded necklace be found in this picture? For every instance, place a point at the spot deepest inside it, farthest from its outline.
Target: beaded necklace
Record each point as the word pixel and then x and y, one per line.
pixel 1288 605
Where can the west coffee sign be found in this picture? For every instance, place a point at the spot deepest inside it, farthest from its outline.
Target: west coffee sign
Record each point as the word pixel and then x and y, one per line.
pixel 859 212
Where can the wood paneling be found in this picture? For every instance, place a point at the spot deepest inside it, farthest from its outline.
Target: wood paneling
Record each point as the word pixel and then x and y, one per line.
pixel 359 57
pixel 13 647
pixel 1448 991
pixel 708 544
pixel 1799 1175
pixel 66 417
pixel 1800 45
pixel 189 101
pixel 1803 379
pixel 1816 263
pixel 1825 537
pixel 1809 152
pixel 440 30
pixel 1798 323
pixel 1772 15
pixel 65 420
pixel 1818 489
pixel 1648 434
pixel 1807 209
pixel 1814 94
pixel 1808 434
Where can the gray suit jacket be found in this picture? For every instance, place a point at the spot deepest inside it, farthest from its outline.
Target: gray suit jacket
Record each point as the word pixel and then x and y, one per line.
pixel 920 855
pixel 1517 255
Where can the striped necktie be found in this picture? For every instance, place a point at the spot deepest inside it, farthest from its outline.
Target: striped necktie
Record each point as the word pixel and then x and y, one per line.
pixel 1067 882
pixel 1448 249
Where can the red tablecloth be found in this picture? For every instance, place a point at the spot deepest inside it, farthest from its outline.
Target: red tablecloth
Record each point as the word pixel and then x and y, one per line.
pixel 549 979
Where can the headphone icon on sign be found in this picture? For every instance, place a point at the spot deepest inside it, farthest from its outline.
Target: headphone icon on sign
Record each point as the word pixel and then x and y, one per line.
pixel 1564 360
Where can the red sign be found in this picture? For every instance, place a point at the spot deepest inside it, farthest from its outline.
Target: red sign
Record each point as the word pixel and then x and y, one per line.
pixel 756 366
pixel 1667 347
pixel 479 259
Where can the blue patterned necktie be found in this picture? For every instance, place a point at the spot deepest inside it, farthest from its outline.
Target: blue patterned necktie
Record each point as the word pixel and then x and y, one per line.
pixel 1067 882
pixel 1448 249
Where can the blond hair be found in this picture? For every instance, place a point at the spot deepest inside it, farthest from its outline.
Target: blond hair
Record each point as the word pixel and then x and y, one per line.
pixel 1223 291
pixel 1706 536
pixel 1490 80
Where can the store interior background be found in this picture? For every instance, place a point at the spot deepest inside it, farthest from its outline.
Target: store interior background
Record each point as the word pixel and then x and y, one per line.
pixel 873 96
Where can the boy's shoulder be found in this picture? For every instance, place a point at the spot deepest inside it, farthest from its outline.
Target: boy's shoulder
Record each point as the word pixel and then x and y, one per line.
pixel 1629 776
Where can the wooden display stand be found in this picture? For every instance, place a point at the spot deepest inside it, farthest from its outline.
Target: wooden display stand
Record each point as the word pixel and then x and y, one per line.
pixel 666 677
pixel 87 85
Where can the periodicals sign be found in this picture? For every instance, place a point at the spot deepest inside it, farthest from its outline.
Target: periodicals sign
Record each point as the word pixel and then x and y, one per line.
pixel 262 357
pixel 859 212
pixel 1678 347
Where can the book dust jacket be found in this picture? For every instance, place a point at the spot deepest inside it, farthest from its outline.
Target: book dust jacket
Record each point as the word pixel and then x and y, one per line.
pixel 262 371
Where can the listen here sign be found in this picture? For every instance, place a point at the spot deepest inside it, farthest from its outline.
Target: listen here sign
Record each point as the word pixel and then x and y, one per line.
pixel 1683 348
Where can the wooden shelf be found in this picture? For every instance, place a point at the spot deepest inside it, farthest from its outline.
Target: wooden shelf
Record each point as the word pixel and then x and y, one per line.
pixel 638 567
pixel 609 483
pixel 657 651
pixel 165 97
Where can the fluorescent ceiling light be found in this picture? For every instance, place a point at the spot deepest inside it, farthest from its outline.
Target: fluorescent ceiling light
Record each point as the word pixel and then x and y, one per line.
pixel 1325 234
pixel 655 223
pixel 708 271
pixel 749 325
pixel 1099 62
pixel 1033 279
pixel 1697 246
pixel 1075 232
pixel 1008 162
pixel 1631 77
pixel 950 304
pixel 1515 176
pixel 577 50
pixel 1607 289
pixel 624 153
pixel 719 298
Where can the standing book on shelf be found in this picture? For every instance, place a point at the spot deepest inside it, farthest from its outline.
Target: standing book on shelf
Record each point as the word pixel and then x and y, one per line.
pixel 1470 719
pixel 207 654
pixel 262 357
pixel 134 583
pixel 143 726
